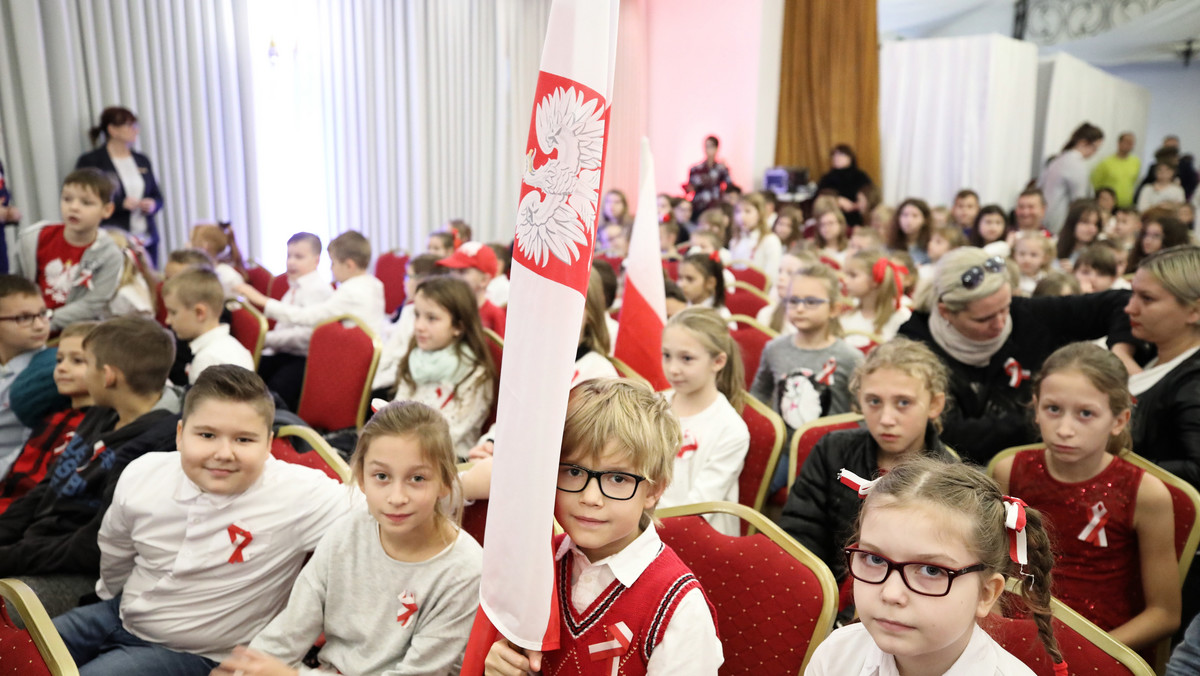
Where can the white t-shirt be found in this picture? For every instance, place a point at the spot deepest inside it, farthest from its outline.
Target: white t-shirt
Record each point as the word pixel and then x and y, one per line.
pixel 709 461
pixel 135 186
pixel 855 321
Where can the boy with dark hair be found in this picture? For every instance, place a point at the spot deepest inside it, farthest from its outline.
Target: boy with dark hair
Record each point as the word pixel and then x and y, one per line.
pixel 965 209
pixel 24 328
pixel 76 265
pixel 194 300
pixel 52 530
pixel 200 548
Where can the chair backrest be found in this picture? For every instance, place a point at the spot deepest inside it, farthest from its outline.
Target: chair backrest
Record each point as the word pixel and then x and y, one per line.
pixel 749 273
pixel 671 266
pixel 248 326
pixel 259 277
pixel 1086 648
pixel 751 337
pixel 337 380
pixel 37 649
pixel 774 599
pixel 389 268
pixel 615 261
pixel 805 438
pixel 279 286
pixel 496 347
pixel 744 299
pixel 160 308
pixel 766 441
pixel 313 452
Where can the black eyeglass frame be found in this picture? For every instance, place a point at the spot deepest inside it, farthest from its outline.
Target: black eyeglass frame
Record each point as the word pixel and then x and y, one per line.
pixel 593 474
pixel 29 319
pixel 951 574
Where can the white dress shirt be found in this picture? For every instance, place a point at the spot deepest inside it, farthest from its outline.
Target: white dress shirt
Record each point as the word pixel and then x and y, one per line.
pixel 230 279
pixel 217 346
pixel 290 338
pixel 708 464
pixel 850 651
pixel 169 548
pixel 361 296
pixel 689 646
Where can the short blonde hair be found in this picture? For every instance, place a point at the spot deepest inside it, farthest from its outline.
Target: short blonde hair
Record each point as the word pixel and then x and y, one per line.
pixel 196 286
pixel 351 246
pixel 910 357
pixel 1175 269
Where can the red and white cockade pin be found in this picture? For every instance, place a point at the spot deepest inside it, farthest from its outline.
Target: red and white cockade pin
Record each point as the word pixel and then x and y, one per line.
pixel 1016 374
pixel 688 447
pixel 1093 532
pixel 859 484
pixel 408 608
pixel 377 404
pixel 97 449
pixel 234 533
pixel 620 638
pixel 825 377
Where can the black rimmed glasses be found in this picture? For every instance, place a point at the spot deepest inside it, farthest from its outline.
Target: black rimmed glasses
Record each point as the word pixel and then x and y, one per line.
pixel 926 579
pixel 614 485
pixel 29 319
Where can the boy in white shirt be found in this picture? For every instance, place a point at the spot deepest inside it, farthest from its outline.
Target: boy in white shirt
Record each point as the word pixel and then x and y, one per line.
pixel 285 347
pixel 199 549
pixel 194 299
pixel 358 293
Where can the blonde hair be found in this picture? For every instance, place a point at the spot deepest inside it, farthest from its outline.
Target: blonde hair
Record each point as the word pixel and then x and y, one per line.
pixel 430 430
pixel 760 205
pixel 196 286
pixel 826 204
pixel 629 415
pixel 711 330
pixel 1175 269
pixel 961 489
pixel 889 287
pixel 946 286
pixel 833 286
pixel 910 357
pixel 1042 241
pixel 1104 371
pixel 351 246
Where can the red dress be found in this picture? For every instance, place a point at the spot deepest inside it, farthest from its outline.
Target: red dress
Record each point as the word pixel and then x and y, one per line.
pixel 1102 583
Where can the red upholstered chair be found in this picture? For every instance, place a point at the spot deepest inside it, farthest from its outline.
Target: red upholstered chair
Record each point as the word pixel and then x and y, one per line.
pixel 259 277
pixel 766 440
pixel 615 261
pixel 749 273
pixel 160 308
pixel 805 438
pixel 1084 646
pixel 248 326
pixel 278 287
pixel 37 650
pixel 320 455
pixel 389 268
pixel 342 357
pixel 496 346
pixel 744 299
pixel 671 266
pixel 751 337
pixel 774 599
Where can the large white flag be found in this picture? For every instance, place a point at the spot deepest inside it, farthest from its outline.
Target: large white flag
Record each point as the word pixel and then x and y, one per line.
pixel 552 257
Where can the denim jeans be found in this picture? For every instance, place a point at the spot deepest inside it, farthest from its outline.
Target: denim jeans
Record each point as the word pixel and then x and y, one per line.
pixel 100 646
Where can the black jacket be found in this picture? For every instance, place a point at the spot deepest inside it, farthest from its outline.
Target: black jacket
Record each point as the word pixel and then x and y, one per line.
pixel 985 414
pixel 820 511
pixel 1166 422
pixel 100 159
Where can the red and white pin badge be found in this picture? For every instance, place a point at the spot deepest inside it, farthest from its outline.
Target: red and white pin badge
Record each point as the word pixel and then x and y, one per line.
pixel 825 377
pixel 1093 532
pixel 408 608
pixel 236 532
pixel 620 638
pixel 1016 374
pixel 688 447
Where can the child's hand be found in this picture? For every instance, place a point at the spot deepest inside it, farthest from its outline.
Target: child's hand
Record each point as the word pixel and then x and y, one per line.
pixel 147 205
pixel 130 204
pixel 483 450
pixel 247 662
pixel 506 659
pixel 250 293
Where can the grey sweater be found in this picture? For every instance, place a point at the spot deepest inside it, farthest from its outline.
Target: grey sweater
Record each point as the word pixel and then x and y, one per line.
pixel 352 590
pixel 793 382
pixel 103 261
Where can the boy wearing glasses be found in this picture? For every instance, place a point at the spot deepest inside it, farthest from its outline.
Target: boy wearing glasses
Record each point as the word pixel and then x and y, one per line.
pixel 76 265
pixel 24 328
pixel 613 570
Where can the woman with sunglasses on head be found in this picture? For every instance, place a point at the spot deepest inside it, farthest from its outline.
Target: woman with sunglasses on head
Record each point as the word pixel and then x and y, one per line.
pixel 993 342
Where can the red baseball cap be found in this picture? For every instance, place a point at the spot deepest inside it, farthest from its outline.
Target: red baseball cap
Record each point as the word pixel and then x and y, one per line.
pixel 472 255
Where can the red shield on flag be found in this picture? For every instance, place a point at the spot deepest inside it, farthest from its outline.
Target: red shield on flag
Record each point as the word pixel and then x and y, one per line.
pixel 560 188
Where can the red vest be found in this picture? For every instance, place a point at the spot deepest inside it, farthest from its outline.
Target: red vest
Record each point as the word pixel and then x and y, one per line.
pixel 623 623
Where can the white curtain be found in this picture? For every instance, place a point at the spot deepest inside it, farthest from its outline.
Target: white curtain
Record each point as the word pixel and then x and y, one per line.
pixel 175 63
pixel 956 113
pixel 1071 92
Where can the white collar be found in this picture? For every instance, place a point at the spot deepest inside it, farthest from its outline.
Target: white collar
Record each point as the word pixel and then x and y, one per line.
pixel 208 337
pixel 310 279
pixel 979 657
pixel 19 362
pixel 626 565
pixel 187 491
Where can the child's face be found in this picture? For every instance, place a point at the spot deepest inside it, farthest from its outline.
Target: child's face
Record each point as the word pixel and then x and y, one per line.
pixel 964 211
pixel 1126 225
pixel 664 206
pixel 97 379
pixel 809 320
pixel 858 279
pixel 830 228
pixel 82 209
pixel 1087 228
pixel 1091 281
pixel 223 446
pixel 342 270
pixel 402 489
pixel 666 239
pixel 70 368
pixel 683 212
pixel 1152 239
pixel 897 407
pixel 186 322
pixel 25 329
pixel 302 258
pixel 1030 257
pixel 476 279
pixel 433 326
pixel 938 246
pixel 1076 419
pixel 695 286
pixel 411 282
pixel 783 228
pixel 435 247
pixel 991 228
pixel 745 215
pixel 789 265
pixel 926 634
pixel 1106 202
pixel 1163 173
pixel 614 206
pixel 687 365
pixel 703 245
pixel 599 525
pixel 860 243
pixel 911 220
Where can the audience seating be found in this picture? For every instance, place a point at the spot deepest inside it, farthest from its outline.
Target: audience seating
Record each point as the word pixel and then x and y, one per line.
pixel 766 440
pixel 259 277
pixel 774 599
pixel 496 346
pixel 749 273
pixel 617 262
pixel 1085 647
pixel 321 455
pixel 278 287
pixel 248 326
pixel 751 337
pixel 744 299
pixel 671 267
pixel 36 650
pixel 389 268
pixel 805 438
pixel 160 308
pixel 342 357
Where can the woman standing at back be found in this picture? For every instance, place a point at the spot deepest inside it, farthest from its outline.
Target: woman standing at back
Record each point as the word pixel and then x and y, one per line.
pixel 1067 177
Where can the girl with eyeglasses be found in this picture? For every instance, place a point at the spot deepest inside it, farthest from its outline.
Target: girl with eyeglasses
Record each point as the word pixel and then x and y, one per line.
pixel 929 560
pixel 1111 521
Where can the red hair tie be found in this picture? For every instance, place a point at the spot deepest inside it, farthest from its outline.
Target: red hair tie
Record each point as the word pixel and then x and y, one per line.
pixel 1014 521
pixel 1060 669
pixel 715 256
pixel 457 240
pixel 879 270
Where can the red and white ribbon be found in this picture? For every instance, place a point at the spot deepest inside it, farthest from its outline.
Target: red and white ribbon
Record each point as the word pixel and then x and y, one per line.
pixel 234 533
pixel 97 449
pixel 85 280
pixel 860 485
pixel 1093 532
pixel 1016 374
pixel 1014 521
pixel 377 404
pixel 408 608
pixel 620 638
pixel 825 377
pixel 688 447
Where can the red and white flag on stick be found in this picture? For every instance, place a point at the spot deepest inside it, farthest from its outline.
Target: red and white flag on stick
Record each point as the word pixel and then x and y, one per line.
pixel 552 257
pixel 644 305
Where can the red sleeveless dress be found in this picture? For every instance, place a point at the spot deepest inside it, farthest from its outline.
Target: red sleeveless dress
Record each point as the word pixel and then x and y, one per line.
pixel 1097 571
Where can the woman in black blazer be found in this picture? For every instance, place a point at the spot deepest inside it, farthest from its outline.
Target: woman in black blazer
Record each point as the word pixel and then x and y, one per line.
pixel 137 198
